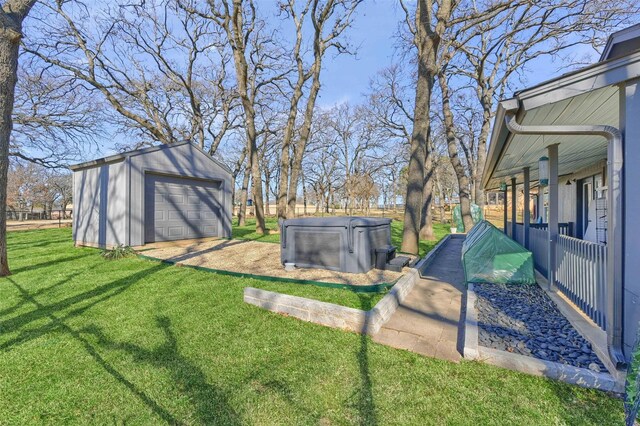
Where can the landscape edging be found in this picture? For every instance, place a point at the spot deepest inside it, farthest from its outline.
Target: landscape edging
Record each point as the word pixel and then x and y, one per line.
pixel 330 314
pixel 337 316
pixel 529 365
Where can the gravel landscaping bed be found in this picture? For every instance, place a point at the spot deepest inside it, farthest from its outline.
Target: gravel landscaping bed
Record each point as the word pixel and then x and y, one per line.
pixel 522 319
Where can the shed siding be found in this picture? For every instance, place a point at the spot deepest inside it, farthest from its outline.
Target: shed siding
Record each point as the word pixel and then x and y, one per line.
pixel 99 202
pixel 109 198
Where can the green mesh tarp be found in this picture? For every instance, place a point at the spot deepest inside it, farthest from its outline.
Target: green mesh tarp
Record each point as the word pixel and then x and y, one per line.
pixel 476 215
pixel 489 256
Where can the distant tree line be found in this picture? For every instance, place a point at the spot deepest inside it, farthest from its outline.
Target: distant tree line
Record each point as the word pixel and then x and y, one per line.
pixel 32 187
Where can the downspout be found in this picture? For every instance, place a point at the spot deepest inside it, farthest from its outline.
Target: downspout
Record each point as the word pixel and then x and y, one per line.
pixel 614 226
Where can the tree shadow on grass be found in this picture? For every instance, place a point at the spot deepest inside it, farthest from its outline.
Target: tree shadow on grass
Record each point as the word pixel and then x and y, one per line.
pixel 211 404
pixel 363 395
pixel 53 262
pixel 93 297
pixel 26 299
pixel 58 324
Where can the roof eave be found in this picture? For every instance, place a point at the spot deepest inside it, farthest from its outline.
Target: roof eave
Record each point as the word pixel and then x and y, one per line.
pixel 618 37
pixel 593 77
pixel 603 74
pixel 498 139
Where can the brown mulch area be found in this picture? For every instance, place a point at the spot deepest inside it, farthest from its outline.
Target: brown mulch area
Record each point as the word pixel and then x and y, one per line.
pixel 256 258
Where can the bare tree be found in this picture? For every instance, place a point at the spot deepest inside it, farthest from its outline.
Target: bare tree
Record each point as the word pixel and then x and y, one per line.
pixel 12 14
pixel 55 119
pixel 160 66
pixel 389 102
pixel 32 185
pixel 23 180
pixel 63 185
pixel 334 17
pixel 255 55
pixel 427 27
pixel 496 52
pixel 322 171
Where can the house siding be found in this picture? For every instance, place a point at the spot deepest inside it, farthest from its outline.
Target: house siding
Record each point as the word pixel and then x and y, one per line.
pixel 630 99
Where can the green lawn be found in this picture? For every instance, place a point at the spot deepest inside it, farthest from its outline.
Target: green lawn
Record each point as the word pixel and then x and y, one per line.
pixel 84 340
pixel 247 232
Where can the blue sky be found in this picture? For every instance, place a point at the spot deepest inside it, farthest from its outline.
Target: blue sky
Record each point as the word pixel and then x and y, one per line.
pixel 346 77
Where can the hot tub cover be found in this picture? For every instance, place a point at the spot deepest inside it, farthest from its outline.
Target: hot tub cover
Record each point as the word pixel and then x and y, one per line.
pixel 346 244
pixel 490 256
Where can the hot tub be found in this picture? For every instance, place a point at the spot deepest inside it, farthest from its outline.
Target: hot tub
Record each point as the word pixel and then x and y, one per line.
pixel 346 244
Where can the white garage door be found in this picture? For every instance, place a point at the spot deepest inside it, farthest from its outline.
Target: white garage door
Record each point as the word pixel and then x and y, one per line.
pixel 179 208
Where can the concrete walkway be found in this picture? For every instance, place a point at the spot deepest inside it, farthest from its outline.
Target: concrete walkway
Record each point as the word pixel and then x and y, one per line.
pixel 428 321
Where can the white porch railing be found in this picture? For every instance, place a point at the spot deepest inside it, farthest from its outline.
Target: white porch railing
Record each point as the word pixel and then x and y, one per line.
pixel 581 275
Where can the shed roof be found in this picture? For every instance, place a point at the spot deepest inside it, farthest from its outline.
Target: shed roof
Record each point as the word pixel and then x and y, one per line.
pixel 121 156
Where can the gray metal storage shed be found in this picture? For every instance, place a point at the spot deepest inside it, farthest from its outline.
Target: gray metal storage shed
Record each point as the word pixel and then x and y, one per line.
pixel 161 193
pixel 346 244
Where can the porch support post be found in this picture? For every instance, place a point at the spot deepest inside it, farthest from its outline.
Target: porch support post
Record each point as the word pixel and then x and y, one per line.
pixel 527 209
pixel 552 229
pixel 504 205
pixel 514 204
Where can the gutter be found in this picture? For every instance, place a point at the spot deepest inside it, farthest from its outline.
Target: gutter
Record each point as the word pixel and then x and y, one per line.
pixel 615 237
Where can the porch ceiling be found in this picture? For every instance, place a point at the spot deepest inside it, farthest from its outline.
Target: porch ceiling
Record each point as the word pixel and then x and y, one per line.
pixel 575 152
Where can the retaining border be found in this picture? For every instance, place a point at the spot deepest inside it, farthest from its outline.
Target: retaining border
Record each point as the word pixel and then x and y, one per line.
pixel 529 365
pixel 342 317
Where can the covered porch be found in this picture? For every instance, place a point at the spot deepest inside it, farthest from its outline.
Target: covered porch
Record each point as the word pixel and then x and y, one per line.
pixel 557 154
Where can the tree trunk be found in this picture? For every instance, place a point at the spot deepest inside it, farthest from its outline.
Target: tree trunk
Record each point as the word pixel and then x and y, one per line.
pixel 267 179
pixel 426 229
pixel 482 153
pixel 285 158
pixel 304 195
pixel 427 48
pixel 452 147
pixel 305 130
pixel 256 175
pixel 244 192
pixel 234 27
pixel 13 12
